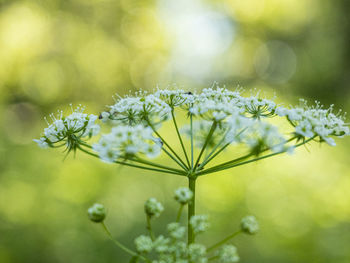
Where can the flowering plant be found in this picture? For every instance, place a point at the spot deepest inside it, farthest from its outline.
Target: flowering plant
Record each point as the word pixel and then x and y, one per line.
pixel 217 118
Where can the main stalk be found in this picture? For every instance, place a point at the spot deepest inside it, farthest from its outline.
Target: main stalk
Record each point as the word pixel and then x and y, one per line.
pixel 191 208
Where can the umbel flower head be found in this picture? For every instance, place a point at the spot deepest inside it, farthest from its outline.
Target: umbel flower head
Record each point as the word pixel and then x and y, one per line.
pixel 216 119
pixel 69 130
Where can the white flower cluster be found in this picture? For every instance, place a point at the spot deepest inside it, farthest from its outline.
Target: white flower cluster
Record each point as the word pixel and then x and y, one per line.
pixel 315 121
pixel 217 104
pixel 249 225
pixel 183 195
pixel 228 254
pixel 230 116
pixel 143 244
pixel 176 97
pixel 68 129
pixel 153 207
pixel 125 141
pixel 262 135
pixel 197 253
pixel 176 231
pixel 199 223
pixel 142 107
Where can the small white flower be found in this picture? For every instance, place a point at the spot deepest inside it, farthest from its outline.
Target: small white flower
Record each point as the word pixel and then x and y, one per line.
pixel 153 207
pixel 183 195
pixel 124 141
pixel 161 244
pixel 304 128
pixel 143 244
pixel 228 254
pixel 42 143
pixel 197 253
pixel 199 223
pixel 249 225
pixel 176 231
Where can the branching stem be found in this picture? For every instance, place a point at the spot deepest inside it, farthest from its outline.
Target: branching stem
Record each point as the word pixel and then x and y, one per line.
pixel 120 245
pixel 180 139
pixel 218 244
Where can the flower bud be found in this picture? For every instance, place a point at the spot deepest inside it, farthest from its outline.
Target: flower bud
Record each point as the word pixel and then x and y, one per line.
pixel 143 244
pixel 228 254
pixel 153 207
pixel 97 213
pixel 249 225
pixel 199 223
pixel 183 195
pixel 176 231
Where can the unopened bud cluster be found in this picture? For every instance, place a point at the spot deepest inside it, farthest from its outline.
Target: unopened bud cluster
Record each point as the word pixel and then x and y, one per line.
pixel 153 207
pixel 183 195
pixel 249 225
pixel 97 213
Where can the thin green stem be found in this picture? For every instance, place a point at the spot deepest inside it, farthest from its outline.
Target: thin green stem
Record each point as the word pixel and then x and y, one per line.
pixel 191 124
pixel 174 159
pixel 134 165
pixel 191 209
pixel 221 149
pixel 228 166
pixel 85 144
pixel 180 139
pixel 218 244
pixel 238 159
pixel 183 165
pixel 212 129
pixel 118 244
pixel 140 160
pixel 225 164
pixel 149 227
pixel 179 213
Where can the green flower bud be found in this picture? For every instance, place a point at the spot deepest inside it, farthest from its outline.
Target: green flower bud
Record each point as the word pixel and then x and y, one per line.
pixel 249 225
pixel 153 207
pixel 97 213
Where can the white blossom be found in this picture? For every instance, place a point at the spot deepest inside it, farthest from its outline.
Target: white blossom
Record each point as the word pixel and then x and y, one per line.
pixel 228 254
pixel 183 195
pixel 69 129
pixel 126 141
pixel 141 107
pixel 161 244
pixel 176 231
pixel 197 253
pixel 199 223
pixel 143 244
pixel 153 207
pixel 249 225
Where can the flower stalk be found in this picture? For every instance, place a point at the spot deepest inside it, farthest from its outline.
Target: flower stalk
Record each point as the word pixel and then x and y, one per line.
pixel 191 209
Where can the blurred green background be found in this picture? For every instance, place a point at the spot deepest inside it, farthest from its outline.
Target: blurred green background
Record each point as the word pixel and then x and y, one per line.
pixel 57 52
